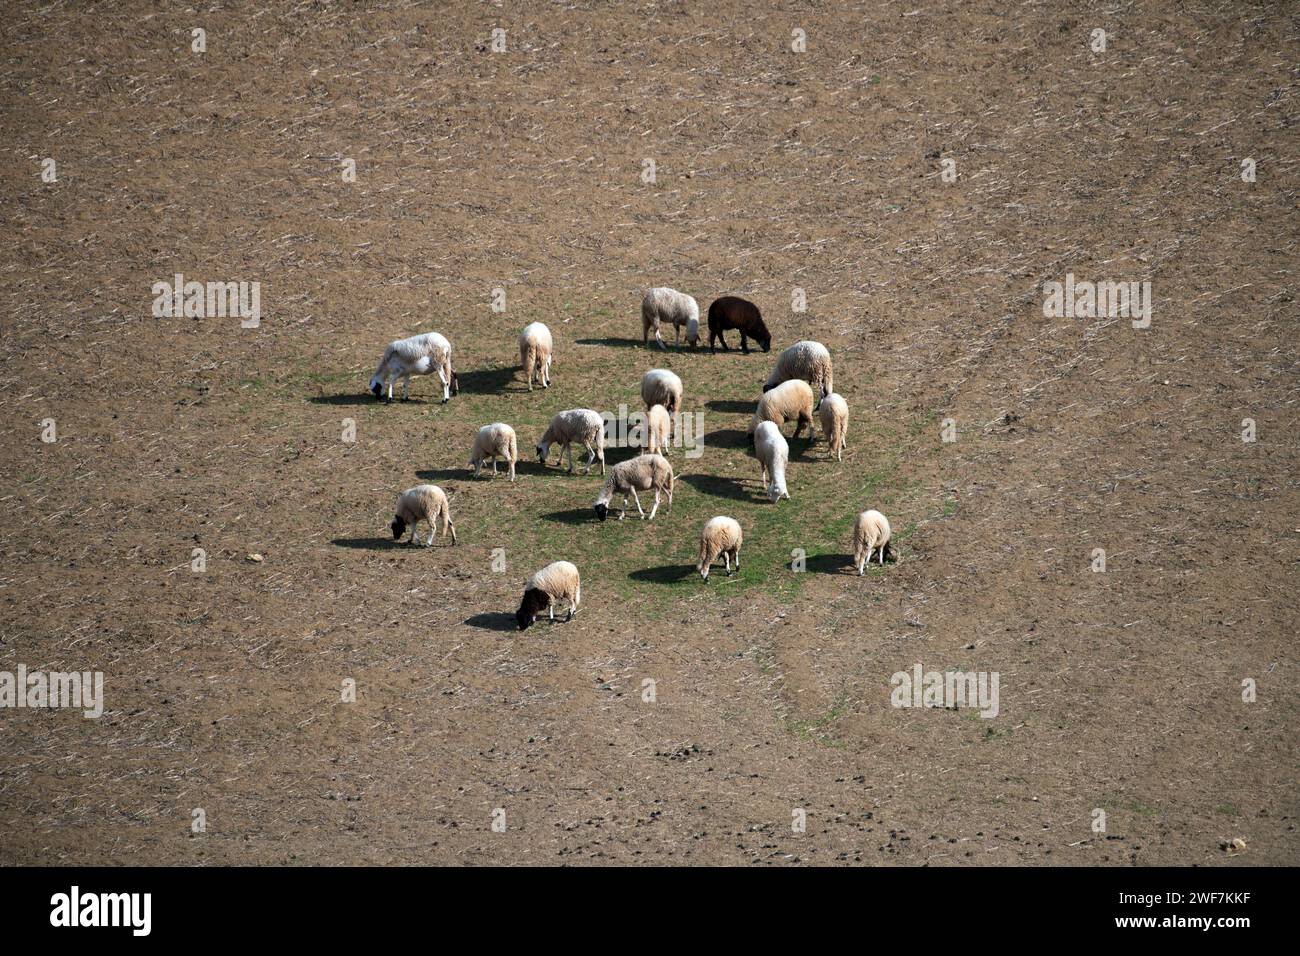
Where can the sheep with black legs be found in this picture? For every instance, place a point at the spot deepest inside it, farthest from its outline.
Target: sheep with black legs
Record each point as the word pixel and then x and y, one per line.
pixel 418 355
pixel 492 442
pixel 731 312
pixel 834 415
pixel 871 533
pixel 536 350
pixel 807 360
pixel 422 503
pixel 576 426
pixel 772 452
pixel 662 387
pixel 556 582
pixel 662 304
pixel 790 401
pixel 721 536
pixel 642 473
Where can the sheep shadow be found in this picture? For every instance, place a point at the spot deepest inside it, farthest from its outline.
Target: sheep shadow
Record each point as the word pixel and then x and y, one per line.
pixel 720 486
pixel 572 516
pixel 831 564
pixel 466 473
pixel 494 621
pixel 361 398
pixel 730 406
pixel 370 544
pixel 727 438
pixel 488 380
pixel 664 574
pixel 617 343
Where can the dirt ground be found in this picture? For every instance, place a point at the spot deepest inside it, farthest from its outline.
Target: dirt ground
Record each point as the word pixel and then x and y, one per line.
pixel 522 170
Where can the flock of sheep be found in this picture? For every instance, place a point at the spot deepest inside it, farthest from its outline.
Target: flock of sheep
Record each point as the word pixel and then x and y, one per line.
pixel 801 383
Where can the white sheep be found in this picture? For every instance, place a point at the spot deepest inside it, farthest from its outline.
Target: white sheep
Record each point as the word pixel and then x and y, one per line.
pixel 576 426
pixel 773 452
pixel 556 582
pixel 492 442
pixel 418 355
pixel 871 533
pixel 422 503
pixel 642 473
pixel 662 387
pixel 658 430
pixel 662 304
pixel 834 413
pixel 810 361
pixel 721 535
pixel 789 401
pixel 535 353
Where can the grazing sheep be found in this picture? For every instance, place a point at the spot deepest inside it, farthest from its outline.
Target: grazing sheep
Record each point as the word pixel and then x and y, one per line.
pixel 834 414
pixel 720 536
pixel 556 582
pixel 658 430
pixel 662 304
pixel 661 387
pixel 810 361
pixel 642 473
pixel 869 534
pixel 494 441
pixel 535 348
pixel 418 355
pixel 730 312
pixel 577 426
pixel 772 451
pixel 422 503
pixel 789 401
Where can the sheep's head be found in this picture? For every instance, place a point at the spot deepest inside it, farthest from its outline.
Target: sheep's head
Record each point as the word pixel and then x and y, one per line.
pixel 776 492
pixel 602 510
pixel 535 600
pixel 768 386
pixel 398 526
pixel 766 342
pixel 544 449
pixel 376 386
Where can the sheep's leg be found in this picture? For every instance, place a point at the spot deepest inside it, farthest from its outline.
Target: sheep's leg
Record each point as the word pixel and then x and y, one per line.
pixel 723 342
pixel 735 555
pixel 446 385
pixel 726 560
pixel 744 344
pixel 569 448
pixel 414 524
pixel 882 556
pixel 550 610
pixel 655 507
pixel 637 499
pixel 390 390
pixel 433 527
pixel 406 387
pixel 494 465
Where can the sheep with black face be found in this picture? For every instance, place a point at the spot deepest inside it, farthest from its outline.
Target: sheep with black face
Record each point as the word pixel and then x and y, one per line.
pixel 556 582
pixel 732 312
pixel 422 503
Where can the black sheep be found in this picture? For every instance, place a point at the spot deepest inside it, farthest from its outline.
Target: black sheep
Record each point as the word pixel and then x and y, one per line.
pixel 731 312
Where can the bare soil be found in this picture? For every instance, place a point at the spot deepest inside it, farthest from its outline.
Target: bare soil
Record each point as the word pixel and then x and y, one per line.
pixel 774 170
